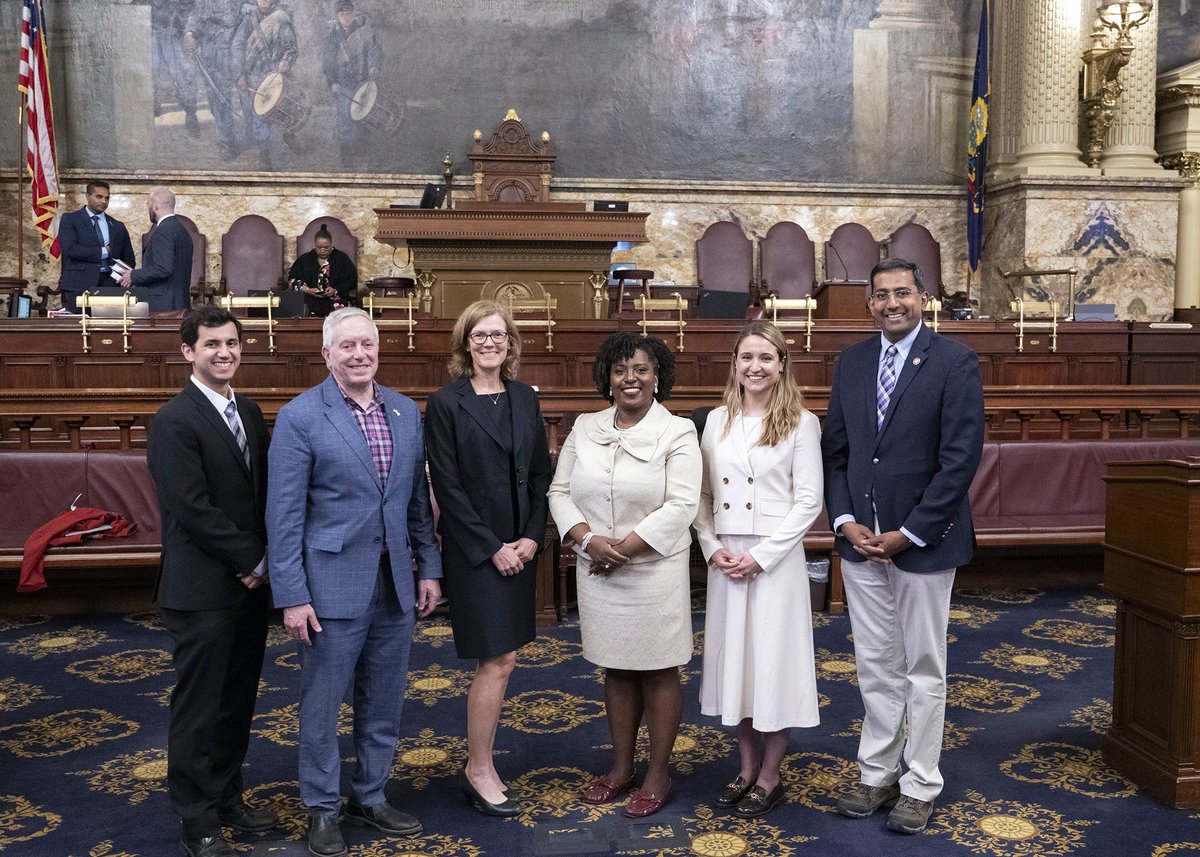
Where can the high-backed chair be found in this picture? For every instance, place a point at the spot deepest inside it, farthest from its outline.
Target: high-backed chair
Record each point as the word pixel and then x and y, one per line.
pixel 251 256
pixel 343 238
pixel 913 242
pixel 724 271
pixel 787 261
pixel 198 289
pixel 850 254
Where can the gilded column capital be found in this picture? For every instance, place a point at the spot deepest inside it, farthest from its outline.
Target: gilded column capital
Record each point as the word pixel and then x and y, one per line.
pixel 1187 163
pixel 1182 95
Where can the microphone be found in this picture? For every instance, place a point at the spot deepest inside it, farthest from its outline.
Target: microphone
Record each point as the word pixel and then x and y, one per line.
pixel 845 271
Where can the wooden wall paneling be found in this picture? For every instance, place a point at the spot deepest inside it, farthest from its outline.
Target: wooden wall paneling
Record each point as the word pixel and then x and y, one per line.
pixel 18 372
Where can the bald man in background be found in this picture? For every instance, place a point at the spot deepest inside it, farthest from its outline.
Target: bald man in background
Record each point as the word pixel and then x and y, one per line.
pixel 165 278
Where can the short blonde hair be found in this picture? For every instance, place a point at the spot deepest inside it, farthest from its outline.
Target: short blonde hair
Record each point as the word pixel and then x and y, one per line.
pixel 787 404
pixel 460 364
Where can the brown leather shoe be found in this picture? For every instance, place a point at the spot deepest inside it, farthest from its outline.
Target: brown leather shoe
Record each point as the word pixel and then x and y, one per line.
pixel 604 790
pixel 642 803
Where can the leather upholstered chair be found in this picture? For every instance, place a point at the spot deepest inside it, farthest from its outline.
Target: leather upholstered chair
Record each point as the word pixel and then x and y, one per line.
pixel 251 256
pixel 724 271
pixel 787 261
pixel 914 243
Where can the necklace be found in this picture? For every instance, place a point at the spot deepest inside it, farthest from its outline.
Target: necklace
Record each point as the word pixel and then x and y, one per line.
pixel 495 397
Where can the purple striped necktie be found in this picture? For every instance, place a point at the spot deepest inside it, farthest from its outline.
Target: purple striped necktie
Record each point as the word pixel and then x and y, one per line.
pixel 887 383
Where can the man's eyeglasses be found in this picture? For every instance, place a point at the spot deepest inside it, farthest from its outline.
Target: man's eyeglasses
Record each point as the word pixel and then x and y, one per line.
pixel 881 296
pixel 497 336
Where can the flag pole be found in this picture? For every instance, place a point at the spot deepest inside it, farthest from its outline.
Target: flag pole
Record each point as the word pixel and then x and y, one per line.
pixel 13 286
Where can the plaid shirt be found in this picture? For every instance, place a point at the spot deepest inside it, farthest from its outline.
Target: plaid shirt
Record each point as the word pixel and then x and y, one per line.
pixel 374 425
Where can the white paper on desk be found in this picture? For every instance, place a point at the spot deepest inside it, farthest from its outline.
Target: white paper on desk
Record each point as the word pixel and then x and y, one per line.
pixel 117 269
pixel 102 528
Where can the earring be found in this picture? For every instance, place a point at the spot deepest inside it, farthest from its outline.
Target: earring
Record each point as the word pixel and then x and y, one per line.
pixel 656 389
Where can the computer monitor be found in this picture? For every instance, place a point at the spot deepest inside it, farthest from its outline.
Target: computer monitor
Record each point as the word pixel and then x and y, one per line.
pixel 433 196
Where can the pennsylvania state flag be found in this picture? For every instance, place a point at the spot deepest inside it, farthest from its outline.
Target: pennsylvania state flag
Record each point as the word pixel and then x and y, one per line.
pixel 977 133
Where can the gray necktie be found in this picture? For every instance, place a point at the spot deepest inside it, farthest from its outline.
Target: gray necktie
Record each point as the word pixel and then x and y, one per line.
pixel 235 426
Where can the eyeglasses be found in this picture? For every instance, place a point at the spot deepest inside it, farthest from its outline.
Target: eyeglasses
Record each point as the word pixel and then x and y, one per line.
pixel 881 296
pixel 497 336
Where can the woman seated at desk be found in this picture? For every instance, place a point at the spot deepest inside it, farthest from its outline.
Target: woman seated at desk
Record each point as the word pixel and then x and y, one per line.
pixel 325 275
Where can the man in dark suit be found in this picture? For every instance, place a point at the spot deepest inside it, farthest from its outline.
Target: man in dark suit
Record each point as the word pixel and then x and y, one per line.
pixel 165 278
pixel 348 511
pixel 90 240
pixel 901 443
pixel 207 452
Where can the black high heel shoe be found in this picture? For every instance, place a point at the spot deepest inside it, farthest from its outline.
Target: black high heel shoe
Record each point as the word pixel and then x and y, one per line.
pixel 507 809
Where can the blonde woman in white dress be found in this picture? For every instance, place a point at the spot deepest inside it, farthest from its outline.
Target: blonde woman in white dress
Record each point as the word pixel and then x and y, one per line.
pixel 761 492
pixel 624 492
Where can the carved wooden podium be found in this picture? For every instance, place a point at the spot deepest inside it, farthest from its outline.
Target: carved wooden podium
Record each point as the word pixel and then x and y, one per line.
pixel 1152 566
pixel 512 240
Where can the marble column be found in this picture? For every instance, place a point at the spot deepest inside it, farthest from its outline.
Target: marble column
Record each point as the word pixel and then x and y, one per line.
pixel 1004 126
pixel 1050 50
pixel 1187 242
pixel 1129 144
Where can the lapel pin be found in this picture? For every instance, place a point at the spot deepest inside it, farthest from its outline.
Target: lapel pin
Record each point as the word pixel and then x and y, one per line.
pixel 916 361
pixel 396 412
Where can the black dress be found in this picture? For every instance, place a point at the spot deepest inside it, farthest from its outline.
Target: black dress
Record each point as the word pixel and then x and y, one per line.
pixel 490 469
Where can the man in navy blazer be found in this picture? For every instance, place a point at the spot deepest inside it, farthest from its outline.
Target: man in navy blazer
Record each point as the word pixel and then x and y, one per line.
pixel 165 278
pixel 90 239
pixel 348 511
pixel 901 442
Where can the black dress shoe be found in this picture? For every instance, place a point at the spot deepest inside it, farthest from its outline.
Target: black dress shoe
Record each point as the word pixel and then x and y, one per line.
pixel 324 836
pixel 248 819
pixel 758 802
pixel 733 792
pixel 385 817
pixel 208 846
pixel 505 809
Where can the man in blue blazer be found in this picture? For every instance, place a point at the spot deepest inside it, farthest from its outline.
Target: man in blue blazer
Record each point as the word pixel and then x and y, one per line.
pixel 90 240
pixel 901 443
pixel 165 278
pixel 348 511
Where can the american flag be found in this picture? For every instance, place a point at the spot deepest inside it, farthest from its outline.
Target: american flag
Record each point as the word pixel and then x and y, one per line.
pixel 34 82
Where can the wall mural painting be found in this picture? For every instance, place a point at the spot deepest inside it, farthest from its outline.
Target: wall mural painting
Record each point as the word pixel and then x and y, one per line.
pixel 1178 33
pixel 697 89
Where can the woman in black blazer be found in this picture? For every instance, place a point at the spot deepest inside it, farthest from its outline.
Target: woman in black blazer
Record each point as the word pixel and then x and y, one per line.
pixel 490 468
pixel 325 275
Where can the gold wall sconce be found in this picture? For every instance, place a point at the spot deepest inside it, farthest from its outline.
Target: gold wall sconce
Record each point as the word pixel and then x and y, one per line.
pixel 1112 47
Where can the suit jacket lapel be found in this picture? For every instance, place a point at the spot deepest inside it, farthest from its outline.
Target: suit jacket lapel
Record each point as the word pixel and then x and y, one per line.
pixel 347 426
pixel 219 425
pixel 521 429
pixel 474 405
pixel 401 458
pixel 913 365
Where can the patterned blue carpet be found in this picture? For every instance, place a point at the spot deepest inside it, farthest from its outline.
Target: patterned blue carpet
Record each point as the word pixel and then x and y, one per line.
pixel 83 726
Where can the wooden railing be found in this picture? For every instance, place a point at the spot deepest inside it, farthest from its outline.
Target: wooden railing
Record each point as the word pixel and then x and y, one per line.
pixel 119 418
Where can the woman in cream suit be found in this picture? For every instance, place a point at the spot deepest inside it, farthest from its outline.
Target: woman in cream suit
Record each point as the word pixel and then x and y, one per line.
pixel 624 492
pixel 761 492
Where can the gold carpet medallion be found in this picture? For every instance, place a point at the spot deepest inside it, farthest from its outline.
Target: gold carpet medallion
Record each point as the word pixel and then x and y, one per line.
pixel 724 835
pixel 435 633
pixel 1003 596
pixel 64 732
pixel 1086 634
pixel 148 619
pixel 955 737
pixel 282 725
pixel 836 666
pixel 132 775
pixel 1005 828
pixel 436 683
pixel 1067 767
pixel 7 623
pixel 74 639
pixel 1090 605
pixel 818 780
pixel 429 757
pixel 542 712
pixel 428 845
pixel 16 694
pixel 694 745
pixel 988 695
pixel 21 821
pixel 548 652
pixel 1096 717
pixel 553 793
pixel 1017 659
pixel 123 667
pixel 972 616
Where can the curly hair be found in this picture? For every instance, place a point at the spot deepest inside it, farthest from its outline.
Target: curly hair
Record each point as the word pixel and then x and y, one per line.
pixel 623 345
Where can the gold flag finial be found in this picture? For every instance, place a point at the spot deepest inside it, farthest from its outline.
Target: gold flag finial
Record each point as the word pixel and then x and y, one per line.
pixel 511 115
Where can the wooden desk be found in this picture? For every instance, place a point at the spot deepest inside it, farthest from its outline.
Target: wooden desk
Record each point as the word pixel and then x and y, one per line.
pixel 527 250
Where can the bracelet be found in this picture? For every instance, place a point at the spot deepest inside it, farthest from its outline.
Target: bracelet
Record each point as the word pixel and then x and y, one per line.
pixel 586 539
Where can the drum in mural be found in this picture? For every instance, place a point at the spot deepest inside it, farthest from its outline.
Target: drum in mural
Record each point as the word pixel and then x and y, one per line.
pixel 374 109
pixel 282 103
